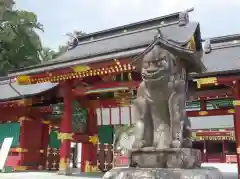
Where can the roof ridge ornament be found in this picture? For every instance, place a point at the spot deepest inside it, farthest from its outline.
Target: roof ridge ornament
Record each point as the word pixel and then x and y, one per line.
pixel 175 49
pixel 183 18
pixel 207 46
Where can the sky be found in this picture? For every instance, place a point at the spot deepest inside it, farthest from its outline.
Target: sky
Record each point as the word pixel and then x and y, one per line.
pixel 216 17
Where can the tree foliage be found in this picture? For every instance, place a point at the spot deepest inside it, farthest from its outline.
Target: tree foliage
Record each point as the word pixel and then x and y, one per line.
pixel 20 45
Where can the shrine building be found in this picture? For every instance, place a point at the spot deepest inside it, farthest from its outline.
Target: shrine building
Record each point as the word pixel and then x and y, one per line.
pixel 84 95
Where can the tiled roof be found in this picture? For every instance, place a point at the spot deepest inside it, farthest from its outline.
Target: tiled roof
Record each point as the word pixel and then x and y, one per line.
pixel 223 55
pixel 122 44
pixel 11 90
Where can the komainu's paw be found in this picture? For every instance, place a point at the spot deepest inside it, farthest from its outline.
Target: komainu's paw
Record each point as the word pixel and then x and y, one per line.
pixel 176 144
pixel 138 144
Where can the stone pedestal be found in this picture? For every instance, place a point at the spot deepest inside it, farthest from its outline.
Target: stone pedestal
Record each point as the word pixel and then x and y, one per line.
pixel 66 171
pixel 166 158
pixel 163 173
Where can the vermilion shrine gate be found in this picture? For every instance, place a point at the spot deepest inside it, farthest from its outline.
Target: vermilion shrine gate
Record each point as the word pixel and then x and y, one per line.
pixel 98 74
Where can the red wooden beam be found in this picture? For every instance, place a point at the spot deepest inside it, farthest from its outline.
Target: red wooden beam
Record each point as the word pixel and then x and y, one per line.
pixel 114 84
pixel 9 114
pixel 214 133
pixel 76 72
pixel 110 63
pixel 213 112
pixel 213 81
pixel 100 86
pixel 227 80
pixel 17 103
pixel 84 138
pixel 105 64
pixel 212 94
pixel 206 94
pixel 15 110
pixel 106 103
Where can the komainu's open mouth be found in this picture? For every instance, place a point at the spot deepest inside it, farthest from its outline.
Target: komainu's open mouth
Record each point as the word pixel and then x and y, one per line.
pixel 153 75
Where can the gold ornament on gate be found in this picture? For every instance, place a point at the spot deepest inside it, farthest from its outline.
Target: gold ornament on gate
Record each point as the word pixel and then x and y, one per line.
pixel 93 139
pixel 23 80
pixel 206 81
pixel 63 164
pixel 65 136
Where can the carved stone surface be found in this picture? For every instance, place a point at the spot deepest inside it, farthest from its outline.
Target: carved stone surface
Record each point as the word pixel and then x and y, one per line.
pixel 162 146
pixel 165 158
pixel 160 102
pixel 163 173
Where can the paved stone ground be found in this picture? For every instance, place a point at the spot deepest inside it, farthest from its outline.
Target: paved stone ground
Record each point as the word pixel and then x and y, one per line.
pixel 45 175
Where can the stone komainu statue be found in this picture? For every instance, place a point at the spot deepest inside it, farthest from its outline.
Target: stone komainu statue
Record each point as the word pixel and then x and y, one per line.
pixel 160 104
pixel 162 147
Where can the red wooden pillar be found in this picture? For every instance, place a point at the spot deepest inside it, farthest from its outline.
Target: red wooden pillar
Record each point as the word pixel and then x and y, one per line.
pixel 89 150
pixel 30 147
pixel 65 134
pixel 44 144
pixel 84 156
pixel 205 157
pixel 236 103
pixel 203 105
pixel 223 151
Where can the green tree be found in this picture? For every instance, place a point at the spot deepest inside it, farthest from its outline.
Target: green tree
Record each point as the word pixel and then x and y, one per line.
pixel 20 45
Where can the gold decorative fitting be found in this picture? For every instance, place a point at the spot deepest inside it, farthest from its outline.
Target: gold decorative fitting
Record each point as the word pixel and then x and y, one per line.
pixel 63 164
pixel 232 133
pixel 238 150
pixel 236 103
pixel 23 118
pixel 25 102
pixel 93 139
pixel 79 72
pixel 193 134
pixel 20 168
pixel 65 136
pixel 87 166
pixel 46 122
pixel 203 113
pixel 192 44
pixel 205 81
pixel 23 80
pixel 231 111
pixel 21 150
pixel 81 68
pixel 94 168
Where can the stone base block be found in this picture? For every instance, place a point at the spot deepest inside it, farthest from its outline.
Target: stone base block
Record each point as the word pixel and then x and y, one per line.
pixel 66 171
pixel 165 158
pixel 163 173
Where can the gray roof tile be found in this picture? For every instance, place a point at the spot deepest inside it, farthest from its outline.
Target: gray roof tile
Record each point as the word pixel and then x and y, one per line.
pixel 11 90
pixel 224 55
pixel 115 44
pixel 130 27
pixel 129 41
pixel 222 58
